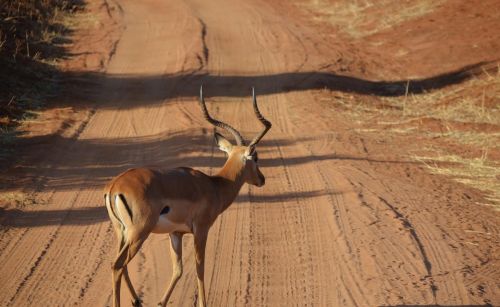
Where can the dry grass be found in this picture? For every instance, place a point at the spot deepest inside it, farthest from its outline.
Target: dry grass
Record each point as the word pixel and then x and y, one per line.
pixel 480 173
pixel 458 103
pixel 468 115
pixel 482 140
pixel 33 35
pixel 475 102
pixel 16 199
pixel 31 29
pixel 356 17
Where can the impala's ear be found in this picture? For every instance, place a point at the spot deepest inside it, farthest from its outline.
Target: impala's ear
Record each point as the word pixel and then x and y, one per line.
pixel 223 143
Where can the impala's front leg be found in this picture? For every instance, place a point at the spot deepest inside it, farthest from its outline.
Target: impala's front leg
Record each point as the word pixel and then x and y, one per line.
pixel 176 255
pixel 200 241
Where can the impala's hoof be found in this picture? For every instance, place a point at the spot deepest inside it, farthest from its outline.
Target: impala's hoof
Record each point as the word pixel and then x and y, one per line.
pixel 137 303
pixel 160 304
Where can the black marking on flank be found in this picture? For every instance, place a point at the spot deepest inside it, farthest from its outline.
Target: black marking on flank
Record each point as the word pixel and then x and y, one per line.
pixel 165 210
pixel 126 205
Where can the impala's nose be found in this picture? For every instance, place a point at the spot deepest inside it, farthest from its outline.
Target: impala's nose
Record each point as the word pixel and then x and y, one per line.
pixel 262 181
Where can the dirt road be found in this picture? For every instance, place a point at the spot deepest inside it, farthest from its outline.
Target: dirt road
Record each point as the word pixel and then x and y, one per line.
pixel 337 224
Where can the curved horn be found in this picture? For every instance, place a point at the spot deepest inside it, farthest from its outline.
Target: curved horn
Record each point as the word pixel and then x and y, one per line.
pixel 267 124
pixel 216 123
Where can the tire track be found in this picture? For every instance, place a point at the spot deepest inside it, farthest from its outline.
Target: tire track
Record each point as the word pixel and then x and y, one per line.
pixel 41 256
pixel 425 259
pixel 32 269
pixel 103 250
pixel 337 200
pixel 205 51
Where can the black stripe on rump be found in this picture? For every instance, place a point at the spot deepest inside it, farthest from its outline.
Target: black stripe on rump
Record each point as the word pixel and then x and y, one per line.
pixel 126 205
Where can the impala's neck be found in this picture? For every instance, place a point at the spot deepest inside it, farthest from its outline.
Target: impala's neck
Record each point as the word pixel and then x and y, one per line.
pixel 229 181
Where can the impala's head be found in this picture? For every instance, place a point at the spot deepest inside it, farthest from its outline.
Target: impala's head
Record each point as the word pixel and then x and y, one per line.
pixel 242 159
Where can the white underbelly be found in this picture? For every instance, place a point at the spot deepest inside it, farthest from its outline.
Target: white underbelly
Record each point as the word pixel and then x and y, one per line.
pixel 164 225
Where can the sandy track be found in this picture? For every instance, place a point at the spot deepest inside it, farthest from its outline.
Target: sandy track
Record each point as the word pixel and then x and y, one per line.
pixel 334 225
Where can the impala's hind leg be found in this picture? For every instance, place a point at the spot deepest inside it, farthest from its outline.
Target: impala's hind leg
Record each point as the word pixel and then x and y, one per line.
pixel 176 254
pixel 128 251
pixel 136 300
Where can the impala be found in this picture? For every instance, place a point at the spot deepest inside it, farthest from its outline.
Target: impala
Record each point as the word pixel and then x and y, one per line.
pixel 183 200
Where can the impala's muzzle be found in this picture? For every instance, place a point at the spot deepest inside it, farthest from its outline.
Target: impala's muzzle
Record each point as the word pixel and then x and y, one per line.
pixel 262 180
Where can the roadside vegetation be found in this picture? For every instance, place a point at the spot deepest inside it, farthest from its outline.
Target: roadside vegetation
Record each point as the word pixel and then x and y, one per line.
pixel 350 16
pixel 33 35
pixel 458 125
pixel 456 129
pixel 471 117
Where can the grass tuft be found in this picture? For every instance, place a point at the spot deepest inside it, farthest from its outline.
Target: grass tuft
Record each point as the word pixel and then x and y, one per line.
pixel 480 173
pixel 351 16
pixel 458 103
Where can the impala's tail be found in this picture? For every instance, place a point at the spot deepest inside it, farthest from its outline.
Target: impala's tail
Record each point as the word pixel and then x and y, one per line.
pixel 119 210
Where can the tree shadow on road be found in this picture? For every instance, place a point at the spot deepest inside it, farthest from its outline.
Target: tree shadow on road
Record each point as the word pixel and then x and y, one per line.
pixel 131 91
pixel 18 218
pixel 285 197
pixel 35 218
pixel 93 162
